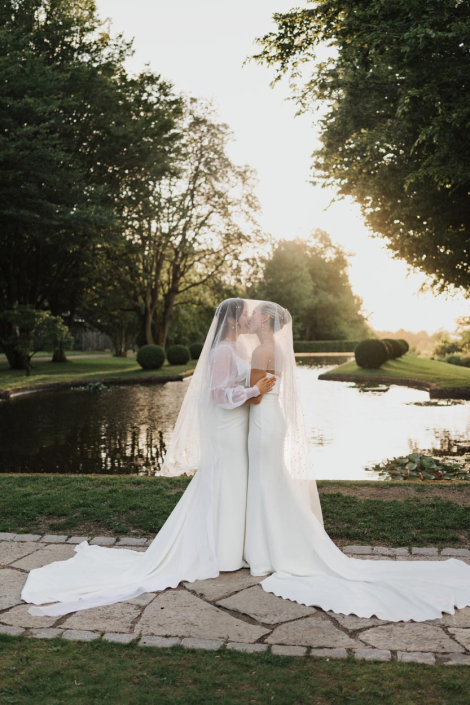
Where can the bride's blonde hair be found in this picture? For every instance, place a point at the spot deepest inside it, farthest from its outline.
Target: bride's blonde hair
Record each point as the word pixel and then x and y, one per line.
pixel 276 313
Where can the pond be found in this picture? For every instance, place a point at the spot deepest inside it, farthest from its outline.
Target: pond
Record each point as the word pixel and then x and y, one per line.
pixel 124 430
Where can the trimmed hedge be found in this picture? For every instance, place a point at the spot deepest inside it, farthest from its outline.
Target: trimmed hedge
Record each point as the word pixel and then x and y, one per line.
pixel 178 355
pixel 310 346
pixel 151 357
pixel 371 353
pixel 396 348
pixel 405 345
pixel 196 349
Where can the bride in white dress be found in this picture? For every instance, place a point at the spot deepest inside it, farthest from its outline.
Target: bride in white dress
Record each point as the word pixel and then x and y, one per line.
pixel 284 526
pixel 205 532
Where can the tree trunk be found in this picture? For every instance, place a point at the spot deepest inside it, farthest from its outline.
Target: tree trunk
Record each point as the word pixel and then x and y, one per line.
pixel 148 327
pixel 120 343
pixel 16 360
pixel 59 354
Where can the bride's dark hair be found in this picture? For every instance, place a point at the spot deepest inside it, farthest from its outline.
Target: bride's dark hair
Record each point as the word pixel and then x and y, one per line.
pixel 230 308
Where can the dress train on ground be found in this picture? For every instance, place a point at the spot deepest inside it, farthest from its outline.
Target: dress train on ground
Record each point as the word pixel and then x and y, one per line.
pixel 285 538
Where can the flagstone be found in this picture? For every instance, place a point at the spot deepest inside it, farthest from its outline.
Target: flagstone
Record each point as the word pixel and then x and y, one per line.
pixel 461 618
pixel 45 633
pixel 50 553
pixel 110 618
pixel 265 607
pixel 11 582
pixel 180 613
pixel 312 631
pixel 77 635
pixel 410 637
pixel 462 636
pixel 20 617
pixel 372 654
pixel 352 622
pixel 10 551
pixel 416 656
pixel 225 584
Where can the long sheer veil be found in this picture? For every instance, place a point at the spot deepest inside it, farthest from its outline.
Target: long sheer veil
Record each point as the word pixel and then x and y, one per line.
pixel 193 446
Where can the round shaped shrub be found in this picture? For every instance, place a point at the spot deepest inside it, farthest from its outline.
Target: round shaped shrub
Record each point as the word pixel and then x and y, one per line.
pixel 397 350
pixel 196 349
pixel 151 357
pixel 370 353
pixel 405 345
pixel 454 359
pixel 178 355
pixel 388 348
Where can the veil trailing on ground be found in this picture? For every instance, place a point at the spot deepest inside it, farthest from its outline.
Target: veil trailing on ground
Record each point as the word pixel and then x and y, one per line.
pixel 209 443
pixel 192 445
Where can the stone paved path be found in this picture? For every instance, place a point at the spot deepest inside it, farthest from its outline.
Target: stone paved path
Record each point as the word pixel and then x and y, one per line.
pixel 231 611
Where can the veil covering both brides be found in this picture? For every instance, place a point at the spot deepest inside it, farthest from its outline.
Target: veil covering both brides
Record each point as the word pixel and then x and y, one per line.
pixel 186 547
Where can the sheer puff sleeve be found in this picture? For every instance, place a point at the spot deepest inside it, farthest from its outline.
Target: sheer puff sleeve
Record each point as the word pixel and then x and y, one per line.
pixel 225 391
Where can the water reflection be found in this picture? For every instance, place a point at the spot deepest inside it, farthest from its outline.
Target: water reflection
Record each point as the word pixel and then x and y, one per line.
pixel 351 427
pixel 125 430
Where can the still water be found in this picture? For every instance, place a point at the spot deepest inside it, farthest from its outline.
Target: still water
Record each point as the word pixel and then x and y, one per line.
pixel 125 430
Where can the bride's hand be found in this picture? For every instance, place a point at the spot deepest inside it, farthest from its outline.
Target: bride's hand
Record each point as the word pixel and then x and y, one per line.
pixel 265 384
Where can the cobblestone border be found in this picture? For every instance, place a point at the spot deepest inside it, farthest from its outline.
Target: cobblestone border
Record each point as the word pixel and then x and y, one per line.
pixel 427 657
pixel 133 541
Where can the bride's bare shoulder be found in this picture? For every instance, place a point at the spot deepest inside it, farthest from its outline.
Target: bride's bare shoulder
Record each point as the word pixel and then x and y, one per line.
pixel 261 358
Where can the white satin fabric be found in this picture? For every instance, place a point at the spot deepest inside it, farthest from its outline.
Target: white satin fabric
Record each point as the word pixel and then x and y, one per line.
pixel 284 537
pixel 203 535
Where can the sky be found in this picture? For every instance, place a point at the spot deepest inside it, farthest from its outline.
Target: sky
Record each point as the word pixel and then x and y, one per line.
pixel 200 46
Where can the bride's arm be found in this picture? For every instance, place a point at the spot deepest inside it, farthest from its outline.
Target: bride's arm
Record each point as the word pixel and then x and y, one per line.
pixel 224 391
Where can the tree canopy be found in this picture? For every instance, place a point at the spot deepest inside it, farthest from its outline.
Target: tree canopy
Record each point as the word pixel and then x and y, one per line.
pixel 394 98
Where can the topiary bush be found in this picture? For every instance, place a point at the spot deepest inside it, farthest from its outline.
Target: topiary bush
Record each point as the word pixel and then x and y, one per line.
pixel 370 353
pixel 388 348
pixel 151 357
pixel 405 345
pixel 178 355
pixel 196 349
pixel 396 347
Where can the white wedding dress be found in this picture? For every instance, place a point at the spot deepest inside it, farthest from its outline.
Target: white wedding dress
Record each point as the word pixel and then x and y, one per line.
pixel 203 535
pixel 285 538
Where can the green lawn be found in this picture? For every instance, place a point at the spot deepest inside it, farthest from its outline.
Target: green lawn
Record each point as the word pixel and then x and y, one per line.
pixel 378 513
pixel 88 370
pixel 59 672
pixel 408 367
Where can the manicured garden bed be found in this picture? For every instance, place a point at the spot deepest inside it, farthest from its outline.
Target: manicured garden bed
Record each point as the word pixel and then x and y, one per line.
pixel 51 375
pixel 441 379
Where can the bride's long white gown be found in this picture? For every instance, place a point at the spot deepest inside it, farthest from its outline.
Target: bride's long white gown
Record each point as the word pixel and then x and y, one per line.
pixel 284 537
pixel 203 535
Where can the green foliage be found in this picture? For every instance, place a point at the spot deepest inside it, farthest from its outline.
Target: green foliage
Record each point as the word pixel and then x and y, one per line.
pixel 178 354
pixel 394 347
pixel 370 353
pixel 458 360
pixel 422 467
pixel 24 331
pixel 445 346
pixel 82 139
pixel 393 92
pixel 405 345
pixel 309 277
pixel 151 357
pixel 310 346
pixel 196 349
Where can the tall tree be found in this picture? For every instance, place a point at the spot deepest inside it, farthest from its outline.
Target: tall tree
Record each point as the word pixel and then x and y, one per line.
pixel 78 134
pixel 197 224
pixel 310 278
pixel 394 92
